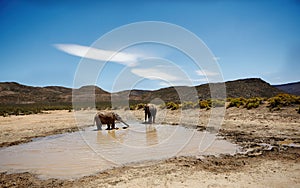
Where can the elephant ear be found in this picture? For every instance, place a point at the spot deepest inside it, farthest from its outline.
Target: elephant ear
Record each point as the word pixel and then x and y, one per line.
pixel 116 116
pixel 100 115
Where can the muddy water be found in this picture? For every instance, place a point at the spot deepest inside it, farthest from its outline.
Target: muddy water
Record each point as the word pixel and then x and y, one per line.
pixel 77 154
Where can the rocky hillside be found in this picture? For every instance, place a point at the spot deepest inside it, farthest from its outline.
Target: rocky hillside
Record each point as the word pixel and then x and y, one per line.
pixel 291 88
pixel 247 88
pixel 14 93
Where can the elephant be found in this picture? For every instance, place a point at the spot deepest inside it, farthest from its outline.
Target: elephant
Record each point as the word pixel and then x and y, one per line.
pixel 108 118
pixel 150 113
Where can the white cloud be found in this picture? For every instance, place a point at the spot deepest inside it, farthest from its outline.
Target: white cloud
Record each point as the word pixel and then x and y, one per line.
pixel 98 54
pixel 155 73
pixel 167 75
pixel 206 73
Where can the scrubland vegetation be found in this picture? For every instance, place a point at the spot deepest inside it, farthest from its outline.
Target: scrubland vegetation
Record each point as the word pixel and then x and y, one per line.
pixel 245 103
pixel 26 109
pixel 283 100
pixel 273 103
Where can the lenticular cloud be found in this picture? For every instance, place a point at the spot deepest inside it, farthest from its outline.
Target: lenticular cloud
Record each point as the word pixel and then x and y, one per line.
pixel 98 54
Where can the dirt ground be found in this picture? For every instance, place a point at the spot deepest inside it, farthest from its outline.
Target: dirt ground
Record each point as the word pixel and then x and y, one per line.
pixel 269 160
pixel 21 129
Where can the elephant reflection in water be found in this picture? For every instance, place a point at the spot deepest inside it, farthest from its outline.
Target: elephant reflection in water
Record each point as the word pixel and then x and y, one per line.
pixel 113 137
pixel 151 135
pixel 110 137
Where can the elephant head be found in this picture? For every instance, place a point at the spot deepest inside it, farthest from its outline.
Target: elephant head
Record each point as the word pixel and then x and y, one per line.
pixel 118 118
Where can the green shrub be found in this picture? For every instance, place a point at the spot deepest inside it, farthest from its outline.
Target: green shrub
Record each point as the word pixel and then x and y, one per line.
pixel 236 102
pixel 137 106
pixel 188 105
pixel 217 103
pixel 283 100
pixel 274 102
pixel 132 107
pixel 253 103
pixel 205 104
pixel 228 99
pixel 140 106
pixel 172 106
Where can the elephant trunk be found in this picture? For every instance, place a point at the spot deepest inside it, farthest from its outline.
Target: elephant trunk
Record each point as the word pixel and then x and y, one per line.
pixel 125 123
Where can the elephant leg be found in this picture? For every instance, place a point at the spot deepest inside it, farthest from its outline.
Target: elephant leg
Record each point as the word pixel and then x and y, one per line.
pixel 153 119
pixel 113 125
pixel 147 117
pixel 150 119
pixel 108 127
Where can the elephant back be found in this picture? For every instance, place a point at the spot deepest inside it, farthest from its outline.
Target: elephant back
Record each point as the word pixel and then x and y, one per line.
pixel 106 117
pixel 152 108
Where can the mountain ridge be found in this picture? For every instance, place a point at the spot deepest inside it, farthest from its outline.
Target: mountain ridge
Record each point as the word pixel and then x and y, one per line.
pixel 291 88
pixel 15 93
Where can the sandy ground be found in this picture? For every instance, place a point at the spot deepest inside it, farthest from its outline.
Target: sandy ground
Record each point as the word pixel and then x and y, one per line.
pixel 21 129
pixel 259 166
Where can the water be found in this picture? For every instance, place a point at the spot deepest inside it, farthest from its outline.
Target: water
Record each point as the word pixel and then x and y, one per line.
pixel 74 155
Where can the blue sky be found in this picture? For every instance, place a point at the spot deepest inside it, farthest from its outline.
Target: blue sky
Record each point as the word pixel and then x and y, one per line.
pixel 248 38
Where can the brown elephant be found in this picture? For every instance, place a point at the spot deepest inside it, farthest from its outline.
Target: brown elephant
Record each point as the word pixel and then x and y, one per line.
pixel 150 113
pixel 109 119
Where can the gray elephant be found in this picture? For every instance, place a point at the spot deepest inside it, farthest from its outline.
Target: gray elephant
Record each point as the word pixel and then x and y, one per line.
pixel 109 119
pixel 150 113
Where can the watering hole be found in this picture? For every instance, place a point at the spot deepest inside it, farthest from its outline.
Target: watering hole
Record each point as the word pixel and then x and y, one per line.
pixel 77 154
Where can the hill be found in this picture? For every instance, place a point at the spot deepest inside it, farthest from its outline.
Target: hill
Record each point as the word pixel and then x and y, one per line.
pixel 14 93
pixel 291 88
pixel 247 88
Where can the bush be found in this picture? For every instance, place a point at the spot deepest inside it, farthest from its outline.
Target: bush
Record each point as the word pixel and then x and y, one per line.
pixel 236 102
pixel 132 107
pixel 188 105
pixel 137 106
pixel 205 104
pixel 140 106
pixel 246 103
pixel 253 103
pixel 217 103
pixel 283 100
pixel 274 102
pixel 172 106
